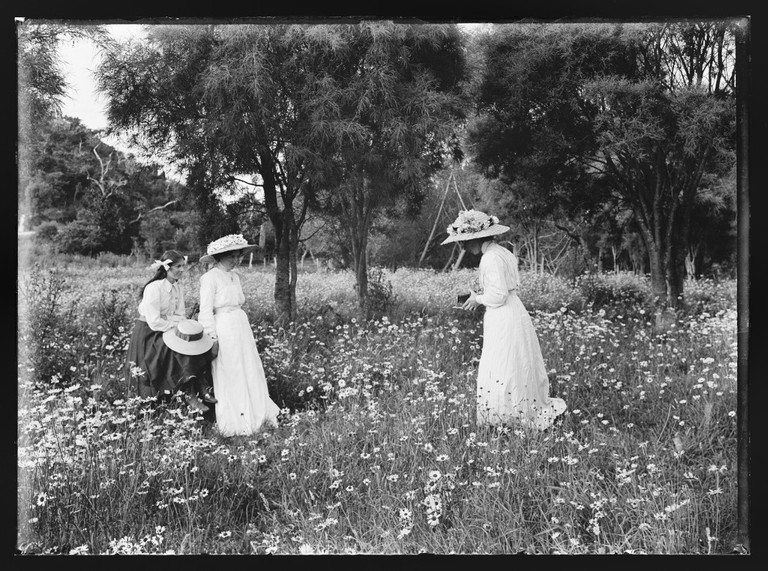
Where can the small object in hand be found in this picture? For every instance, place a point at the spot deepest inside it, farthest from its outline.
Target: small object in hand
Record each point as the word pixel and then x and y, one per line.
pixel 461 299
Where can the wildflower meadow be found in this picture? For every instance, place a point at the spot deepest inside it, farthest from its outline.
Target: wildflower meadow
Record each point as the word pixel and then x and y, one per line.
pixel 377 451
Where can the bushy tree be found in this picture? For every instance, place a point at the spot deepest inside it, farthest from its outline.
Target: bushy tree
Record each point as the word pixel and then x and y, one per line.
pixel 640 113
pixel 385 121
pixel 41 89
pixel 93 195
pixel 278 102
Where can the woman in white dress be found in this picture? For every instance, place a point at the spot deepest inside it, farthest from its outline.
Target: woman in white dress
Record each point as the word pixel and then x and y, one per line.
pixel 244 405
pixel 512 382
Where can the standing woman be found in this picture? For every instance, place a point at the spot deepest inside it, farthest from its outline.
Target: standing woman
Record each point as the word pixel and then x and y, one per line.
pixel 153 368
pixel 512 382
pixel 244 405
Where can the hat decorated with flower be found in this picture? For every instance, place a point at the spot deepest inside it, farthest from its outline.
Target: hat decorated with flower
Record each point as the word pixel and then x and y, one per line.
pixel 473 224
pixel 226 244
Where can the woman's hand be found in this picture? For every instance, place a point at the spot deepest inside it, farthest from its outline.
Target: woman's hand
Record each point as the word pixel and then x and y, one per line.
pixel 215 349
pixel 471 303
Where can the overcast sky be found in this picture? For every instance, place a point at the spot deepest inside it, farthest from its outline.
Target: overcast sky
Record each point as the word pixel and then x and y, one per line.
pixel 79 59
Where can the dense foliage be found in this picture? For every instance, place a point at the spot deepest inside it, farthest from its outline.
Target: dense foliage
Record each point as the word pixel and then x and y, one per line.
pixel 85 197
pixel 613 125
pixel 353 112
pixel 550 108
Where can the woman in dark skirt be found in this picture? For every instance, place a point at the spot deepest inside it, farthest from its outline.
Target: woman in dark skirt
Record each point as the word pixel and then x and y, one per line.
pixel 152 368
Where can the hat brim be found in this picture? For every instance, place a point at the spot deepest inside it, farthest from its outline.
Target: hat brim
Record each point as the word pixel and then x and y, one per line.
pixel 208 258
pixel 197 347
pixel 492 231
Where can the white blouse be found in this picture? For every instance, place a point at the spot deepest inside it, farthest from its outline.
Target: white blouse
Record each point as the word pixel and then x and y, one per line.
pixel 162 305
pixel 218 289
pixel 498 275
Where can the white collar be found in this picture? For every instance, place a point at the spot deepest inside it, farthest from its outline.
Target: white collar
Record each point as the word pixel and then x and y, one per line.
pixel 485 245
pixel 167 285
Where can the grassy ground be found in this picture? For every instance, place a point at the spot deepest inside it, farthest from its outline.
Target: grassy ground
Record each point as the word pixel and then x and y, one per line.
pixel 377 450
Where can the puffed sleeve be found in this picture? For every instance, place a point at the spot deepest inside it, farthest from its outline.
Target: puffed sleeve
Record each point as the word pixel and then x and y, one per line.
pixel 150 306
pixel 207 294
pixel 495 290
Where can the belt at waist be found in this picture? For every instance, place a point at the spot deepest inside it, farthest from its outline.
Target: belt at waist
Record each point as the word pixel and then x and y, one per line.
pixel 225 309
pixel 144 319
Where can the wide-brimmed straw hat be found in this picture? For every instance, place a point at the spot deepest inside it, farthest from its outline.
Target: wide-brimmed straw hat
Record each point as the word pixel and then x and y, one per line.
pixel 188 338
pixel 227 244
pixel 473 224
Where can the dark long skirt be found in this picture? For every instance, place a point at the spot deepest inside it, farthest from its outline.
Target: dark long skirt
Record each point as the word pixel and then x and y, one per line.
pixel 154 370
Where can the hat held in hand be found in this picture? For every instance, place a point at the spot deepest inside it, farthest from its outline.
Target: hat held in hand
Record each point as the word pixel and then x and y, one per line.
pixel 188 338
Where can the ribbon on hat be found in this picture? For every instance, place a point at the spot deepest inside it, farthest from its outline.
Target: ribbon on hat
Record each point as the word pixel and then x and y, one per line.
pixel 188 336
pixel 165 264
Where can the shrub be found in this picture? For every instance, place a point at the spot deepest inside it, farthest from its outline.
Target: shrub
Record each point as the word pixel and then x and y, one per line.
pixel 47 232
pixel 112 314
pixel 617 294
pixel 708 295
pixel 112 260
pixel 48 331
pixel 380 298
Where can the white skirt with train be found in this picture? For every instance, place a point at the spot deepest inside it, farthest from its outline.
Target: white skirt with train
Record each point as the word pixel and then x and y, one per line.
pixel 512 382
pixel 239 381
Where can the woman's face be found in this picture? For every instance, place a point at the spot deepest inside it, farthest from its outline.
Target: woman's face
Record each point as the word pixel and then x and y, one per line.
pixel 232 260
pixel 175 271
pixel 472 246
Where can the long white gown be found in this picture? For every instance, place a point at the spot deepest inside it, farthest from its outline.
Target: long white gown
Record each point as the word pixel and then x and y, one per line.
pixel 512 382
pixel 239 382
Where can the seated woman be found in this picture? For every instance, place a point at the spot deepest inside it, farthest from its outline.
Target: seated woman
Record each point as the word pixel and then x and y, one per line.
pixel 152 367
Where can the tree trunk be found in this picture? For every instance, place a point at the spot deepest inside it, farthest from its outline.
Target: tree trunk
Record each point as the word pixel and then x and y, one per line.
pixel 675 279
pixel 293 255
pixel 677 250
pixel 283 303
pixel 358 218
pixel 652 236
pixel 285 242
pixel 600 260
pixel 361 274
pixel 691 260
pixel 658 277
pixel 359 240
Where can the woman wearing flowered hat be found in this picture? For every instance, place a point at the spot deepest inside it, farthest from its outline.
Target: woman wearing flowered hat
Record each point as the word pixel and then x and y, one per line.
pixel 512 382
pixel 152 367
pixel 238 375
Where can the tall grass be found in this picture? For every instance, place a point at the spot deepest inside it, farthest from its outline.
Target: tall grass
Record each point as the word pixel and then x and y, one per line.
pixel 377 449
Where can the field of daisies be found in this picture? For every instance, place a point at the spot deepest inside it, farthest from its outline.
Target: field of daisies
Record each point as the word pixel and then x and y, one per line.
pixel 377 451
